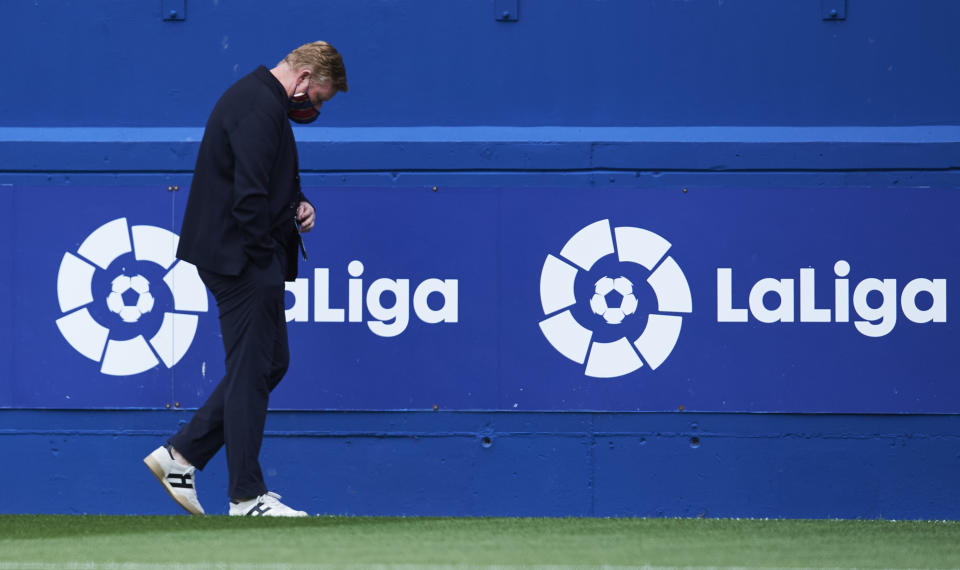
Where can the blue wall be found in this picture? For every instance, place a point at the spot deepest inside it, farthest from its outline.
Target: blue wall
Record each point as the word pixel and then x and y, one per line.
pixel 512 464
pixel 579 110
pixel 449 62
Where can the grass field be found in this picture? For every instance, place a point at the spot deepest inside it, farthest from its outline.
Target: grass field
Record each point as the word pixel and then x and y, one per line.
pixel 52 541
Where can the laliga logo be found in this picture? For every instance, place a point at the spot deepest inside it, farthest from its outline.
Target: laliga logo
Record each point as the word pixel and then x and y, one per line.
pixel 128 298
pixel 557 296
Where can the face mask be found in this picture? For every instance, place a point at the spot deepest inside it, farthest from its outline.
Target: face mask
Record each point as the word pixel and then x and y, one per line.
pixel 301 110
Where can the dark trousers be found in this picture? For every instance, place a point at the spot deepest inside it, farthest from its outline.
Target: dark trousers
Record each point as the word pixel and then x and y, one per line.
pixel 254 331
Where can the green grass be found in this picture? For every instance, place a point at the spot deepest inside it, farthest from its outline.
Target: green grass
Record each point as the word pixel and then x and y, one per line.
pixel 52 541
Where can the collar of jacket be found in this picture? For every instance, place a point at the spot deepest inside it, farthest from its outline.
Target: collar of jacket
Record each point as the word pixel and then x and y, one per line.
pixel 263 74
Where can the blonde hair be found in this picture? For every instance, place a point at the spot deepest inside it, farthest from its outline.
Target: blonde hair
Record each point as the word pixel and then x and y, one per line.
pixel 323 60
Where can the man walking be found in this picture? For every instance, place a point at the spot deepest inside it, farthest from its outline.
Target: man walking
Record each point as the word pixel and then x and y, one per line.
pixel 241 229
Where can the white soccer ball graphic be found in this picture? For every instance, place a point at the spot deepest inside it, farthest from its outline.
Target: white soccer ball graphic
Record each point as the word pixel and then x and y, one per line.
pixel 117 353
pixel 628 304
pixel 130 313
pixel 626 244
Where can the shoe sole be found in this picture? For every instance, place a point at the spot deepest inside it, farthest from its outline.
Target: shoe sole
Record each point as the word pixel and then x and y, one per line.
pixel 158 473
pixel 305 514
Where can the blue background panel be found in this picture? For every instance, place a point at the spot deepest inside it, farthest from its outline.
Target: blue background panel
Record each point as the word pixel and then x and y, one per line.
pixel 8 328
pixel 413 234
pixel 813 367
pixel 493 242
pixel 48 373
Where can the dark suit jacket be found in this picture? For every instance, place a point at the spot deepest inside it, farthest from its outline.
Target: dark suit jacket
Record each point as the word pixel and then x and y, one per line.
pixel 246 187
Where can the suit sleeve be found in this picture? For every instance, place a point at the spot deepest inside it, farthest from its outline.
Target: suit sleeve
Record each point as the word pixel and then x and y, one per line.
pixel 302 198
pixel 254 140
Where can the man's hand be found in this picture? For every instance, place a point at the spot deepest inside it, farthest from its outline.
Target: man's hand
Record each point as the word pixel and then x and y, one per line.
pixel 306 216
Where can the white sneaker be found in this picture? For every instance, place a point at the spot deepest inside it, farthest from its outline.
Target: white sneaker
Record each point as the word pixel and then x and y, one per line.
pixel 267 505
pixel 178 479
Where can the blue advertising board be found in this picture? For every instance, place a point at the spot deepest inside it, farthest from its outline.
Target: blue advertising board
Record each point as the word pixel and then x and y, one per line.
pixel 724 299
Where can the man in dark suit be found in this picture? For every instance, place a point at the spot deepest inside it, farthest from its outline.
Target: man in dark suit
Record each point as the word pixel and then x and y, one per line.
pixel 242 230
